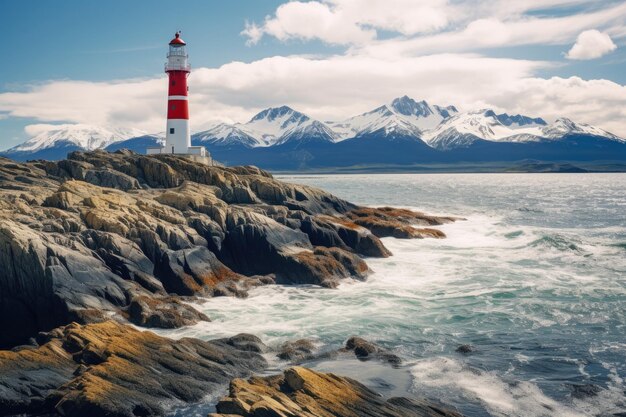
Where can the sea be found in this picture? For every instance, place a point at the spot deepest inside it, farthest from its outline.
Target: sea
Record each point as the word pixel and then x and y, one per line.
pixel 534 280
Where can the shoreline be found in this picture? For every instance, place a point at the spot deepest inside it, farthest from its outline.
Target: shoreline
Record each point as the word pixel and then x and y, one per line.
pixel 125 237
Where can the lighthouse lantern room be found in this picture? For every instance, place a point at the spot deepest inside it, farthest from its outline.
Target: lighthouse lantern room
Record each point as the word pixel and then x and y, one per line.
pixel 177 134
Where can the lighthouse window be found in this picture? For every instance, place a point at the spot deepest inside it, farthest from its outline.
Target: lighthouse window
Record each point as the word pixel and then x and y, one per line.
pixel 173 107
pixel 173 82
pixel 171 130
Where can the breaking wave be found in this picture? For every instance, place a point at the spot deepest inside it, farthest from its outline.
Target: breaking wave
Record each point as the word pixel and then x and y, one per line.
pixel 539 294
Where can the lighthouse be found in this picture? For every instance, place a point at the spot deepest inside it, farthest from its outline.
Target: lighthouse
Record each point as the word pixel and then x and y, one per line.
pixel 177 133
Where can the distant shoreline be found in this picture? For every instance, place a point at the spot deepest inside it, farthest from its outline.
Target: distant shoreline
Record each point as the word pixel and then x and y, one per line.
pixel 534 167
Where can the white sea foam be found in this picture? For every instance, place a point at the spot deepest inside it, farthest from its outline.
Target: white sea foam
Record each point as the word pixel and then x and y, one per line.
pixel 532 279
pixel 455 382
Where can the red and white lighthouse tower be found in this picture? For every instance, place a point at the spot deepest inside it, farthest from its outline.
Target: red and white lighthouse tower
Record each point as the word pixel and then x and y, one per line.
pixel 177 133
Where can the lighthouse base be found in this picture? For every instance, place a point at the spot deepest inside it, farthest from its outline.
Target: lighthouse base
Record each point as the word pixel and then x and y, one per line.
pixel 195 153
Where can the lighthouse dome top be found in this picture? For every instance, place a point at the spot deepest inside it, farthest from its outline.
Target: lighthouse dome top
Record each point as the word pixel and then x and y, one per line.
pixel 177 40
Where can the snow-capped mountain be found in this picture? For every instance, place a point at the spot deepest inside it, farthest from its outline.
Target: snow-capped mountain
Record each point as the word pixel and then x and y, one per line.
pixel 82 136
pixel 564 126
pixel 465 128
pixel 273 126
pixel 421 114
pixel 402 131
pixel 382 119
pixel 308 132
pixel 224 134
pixel 403 116
pixel 270 125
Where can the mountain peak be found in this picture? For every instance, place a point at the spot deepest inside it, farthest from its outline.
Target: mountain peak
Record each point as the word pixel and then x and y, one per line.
pixel 225 134
pixel 83 136
pixel 409 107
pixel 520 120
pixel 273 113
pixel 564 126
pixel 406 106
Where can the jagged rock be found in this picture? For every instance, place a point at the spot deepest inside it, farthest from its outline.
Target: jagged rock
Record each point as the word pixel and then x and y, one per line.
pixel 110 369
pixel 192 271
pixel 81 238
pixel 465 349
pixel 322 266
pixel 364 350
pixel 246 342
pixel 167 312
pixel 48 280
pixel 296 350
pixel 398 223
pixel 333 231
pixel 301 392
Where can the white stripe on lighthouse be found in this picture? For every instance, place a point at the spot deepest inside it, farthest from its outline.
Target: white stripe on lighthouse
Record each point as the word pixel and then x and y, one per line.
pixel 177 98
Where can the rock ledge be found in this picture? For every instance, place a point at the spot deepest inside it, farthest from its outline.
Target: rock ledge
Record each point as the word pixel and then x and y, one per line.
pixel 301 392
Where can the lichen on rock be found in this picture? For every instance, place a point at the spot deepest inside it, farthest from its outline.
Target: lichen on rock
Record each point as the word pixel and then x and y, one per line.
pixel 302 392
pixel 100 238
pixel 111 369
pixel 99 230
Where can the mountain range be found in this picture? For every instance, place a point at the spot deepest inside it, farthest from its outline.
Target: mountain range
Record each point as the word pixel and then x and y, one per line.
pixel 402 132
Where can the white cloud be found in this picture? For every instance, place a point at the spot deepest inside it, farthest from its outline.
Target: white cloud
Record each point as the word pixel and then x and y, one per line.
pixel 98 103
pixel 429 26
pixel 407 17
pixel 494 32
pixel 350 21
pixel 596 102
pixel 310 20
pixel 591 44
pixel 38 128
pixel 328 88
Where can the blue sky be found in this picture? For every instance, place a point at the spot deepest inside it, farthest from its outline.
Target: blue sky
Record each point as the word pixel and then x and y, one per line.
pixel 67 61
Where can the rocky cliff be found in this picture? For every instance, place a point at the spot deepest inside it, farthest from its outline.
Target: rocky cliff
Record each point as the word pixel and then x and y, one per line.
pixel 101 239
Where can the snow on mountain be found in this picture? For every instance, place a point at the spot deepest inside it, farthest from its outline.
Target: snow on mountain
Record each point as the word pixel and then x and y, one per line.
pixel 421 114
pixel 465 128
pixel 382 119
pixel 403 116
pixel 402 119
pixel 83 136
pixel 225 134
pixel 307 132
pixel 271 124
pixel 564 126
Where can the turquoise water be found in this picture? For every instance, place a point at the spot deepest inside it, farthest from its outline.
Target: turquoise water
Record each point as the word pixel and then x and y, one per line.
pixel 534 280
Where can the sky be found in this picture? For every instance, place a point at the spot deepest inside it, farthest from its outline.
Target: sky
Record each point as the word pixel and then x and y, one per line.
pixel 101 62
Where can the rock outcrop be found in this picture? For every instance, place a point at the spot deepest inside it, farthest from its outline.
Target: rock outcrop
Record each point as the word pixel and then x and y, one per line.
pixel 102 239
pixel 296 350
pixel 398 223
pixel 301 392
pixel 365 350
pixel 111 369
pixel 128 235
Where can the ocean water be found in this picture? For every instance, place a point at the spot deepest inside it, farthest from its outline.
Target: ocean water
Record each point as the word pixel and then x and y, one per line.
pixel 534 280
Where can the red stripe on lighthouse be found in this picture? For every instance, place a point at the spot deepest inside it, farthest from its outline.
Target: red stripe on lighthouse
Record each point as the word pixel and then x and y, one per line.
pixel 178 83
pixel 177 109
